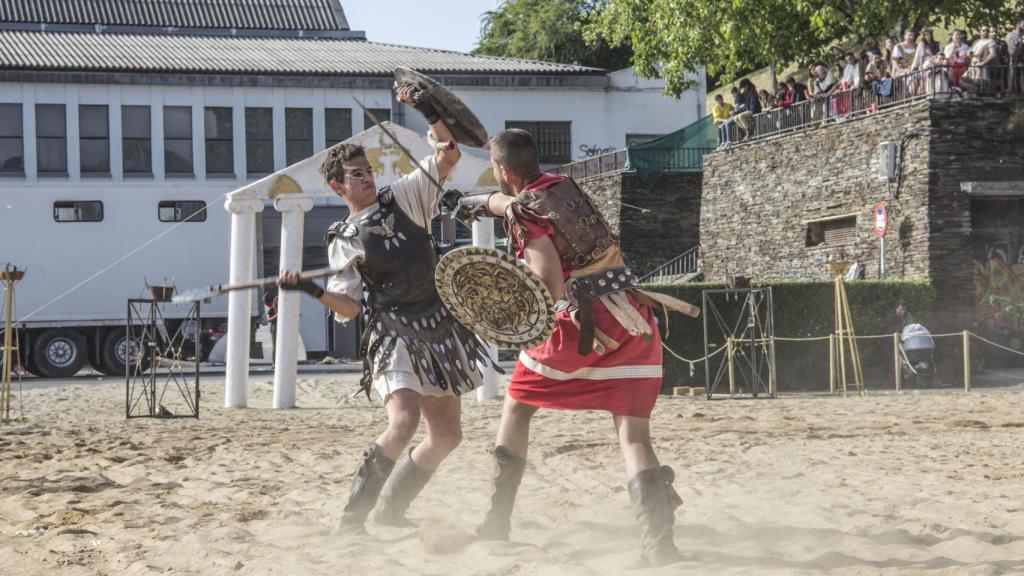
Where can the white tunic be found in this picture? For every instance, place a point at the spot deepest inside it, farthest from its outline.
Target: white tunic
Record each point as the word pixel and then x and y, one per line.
pixel 417 196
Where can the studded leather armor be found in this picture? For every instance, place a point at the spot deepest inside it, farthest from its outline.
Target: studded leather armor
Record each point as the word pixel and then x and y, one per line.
pixel 402 300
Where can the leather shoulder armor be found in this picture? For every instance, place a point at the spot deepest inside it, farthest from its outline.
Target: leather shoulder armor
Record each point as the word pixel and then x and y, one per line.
pixel 581 232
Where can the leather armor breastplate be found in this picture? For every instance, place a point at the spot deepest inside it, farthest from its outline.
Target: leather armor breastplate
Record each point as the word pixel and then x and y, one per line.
pixel 398 266
pixel 581 232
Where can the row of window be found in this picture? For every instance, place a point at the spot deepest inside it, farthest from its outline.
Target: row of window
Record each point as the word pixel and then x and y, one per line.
pixel 136 138
pixel 553 138
pixel 92 211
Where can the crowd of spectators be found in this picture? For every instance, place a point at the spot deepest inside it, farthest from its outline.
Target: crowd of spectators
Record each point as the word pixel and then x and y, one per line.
pixel 898 68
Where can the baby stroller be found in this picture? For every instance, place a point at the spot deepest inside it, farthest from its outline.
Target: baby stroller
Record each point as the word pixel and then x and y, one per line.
pixel 917 349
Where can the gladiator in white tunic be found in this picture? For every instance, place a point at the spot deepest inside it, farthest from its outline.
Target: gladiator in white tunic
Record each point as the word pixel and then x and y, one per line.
pixel 410 341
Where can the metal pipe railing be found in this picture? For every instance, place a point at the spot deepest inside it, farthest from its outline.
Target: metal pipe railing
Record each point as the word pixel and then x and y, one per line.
pixel 685 263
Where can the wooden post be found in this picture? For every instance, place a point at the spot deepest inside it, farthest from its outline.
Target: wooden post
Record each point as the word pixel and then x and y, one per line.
pixel 897 365
pixel 967 361
pixel 831 363
pixel 732 379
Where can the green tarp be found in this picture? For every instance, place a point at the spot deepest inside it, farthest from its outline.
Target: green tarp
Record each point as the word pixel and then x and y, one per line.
pixel 680 151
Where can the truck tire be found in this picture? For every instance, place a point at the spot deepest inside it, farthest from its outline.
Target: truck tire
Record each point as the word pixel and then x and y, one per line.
pixel 58 353
pixel 115 347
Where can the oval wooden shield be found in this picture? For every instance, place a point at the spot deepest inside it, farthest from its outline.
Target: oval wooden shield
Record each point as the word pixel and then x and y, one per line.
pixel 496 296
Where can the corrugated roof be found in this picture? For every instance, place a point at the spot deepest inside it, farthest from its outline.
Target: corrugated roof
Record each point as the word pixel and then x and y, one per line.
pixel 241 14
pixel 105 52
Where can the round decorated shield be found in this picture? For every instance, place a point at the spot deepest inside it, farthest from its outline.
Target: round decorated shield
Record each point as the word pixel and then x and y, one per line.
pixel 496 296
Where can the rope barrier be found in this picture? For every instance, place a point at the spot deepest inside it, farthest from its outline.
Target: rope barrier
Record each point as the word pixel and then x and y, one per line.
pixel 987 341
pixel 691 362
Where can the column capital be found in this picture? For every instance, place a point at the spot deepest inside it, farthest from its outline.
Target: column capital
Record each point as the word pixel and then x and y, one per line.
pixel 243 204
pixel 293 203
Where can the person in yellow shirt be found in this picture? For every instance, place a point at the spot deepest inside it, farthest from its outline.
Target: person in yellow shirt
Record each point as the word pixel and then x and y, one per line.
pixel 720 114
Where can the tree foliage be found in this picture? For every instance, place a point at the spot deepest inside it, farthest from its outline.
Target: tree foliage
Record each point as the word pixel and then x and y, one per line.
pixel 551 31
pixel 673 38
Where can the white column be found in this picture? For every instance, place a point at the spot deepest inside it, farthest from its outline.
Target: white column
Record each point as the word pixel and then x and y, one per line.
pixel 243 247
pixel 483 237
pixel 293 208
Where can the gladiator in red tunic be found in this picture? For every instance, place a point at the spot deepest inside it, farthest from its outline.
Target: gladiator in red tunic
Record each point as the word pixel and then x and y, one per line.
pixel 605 350
pixel 621 375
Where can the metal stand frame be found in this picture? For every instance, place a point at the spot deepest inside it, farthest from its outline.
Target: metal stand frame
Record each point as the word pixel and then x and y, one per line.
pixel 748 337
pixel 150 341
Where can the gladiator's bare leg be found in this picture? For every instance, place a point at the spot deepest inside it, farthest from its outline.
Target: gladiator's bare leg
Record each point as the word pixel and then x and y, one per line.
pixel 514 428
pixel 443 417
pixel 635 442
pixel 417 465
pixel 403 408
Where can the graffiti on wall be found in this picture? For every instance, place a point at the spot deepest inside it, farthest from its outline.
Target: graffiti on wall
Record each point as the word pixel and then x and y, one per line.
pixel 999 292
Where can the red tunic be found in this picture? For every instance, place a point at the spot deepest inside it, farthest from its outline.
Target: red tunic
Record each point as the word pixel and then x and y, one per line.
pixel 553 374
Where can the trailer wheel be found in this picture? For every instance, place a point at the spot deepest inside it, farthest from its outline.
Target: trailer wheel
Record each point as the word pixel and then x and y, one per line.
pixel 116 349
pixel 58 353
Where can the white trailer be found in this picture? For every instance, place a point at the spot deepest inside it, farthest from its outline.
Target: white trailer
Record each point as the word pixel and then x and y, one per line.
pixel 89 246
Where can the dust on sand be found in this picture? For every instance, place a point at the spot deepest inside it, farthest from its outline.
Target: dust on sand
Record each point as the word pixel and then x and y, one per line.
pixel 912 484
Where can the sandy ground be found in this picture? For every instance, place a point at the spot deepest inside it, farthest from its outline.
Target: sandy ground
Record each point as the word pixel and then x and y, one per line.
pixel 912 484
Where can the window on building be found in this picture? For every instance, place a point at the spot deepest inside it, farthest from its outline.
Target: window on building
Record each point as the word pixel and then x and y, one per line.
pixel 178 140
pixel 94 140
pixel 78 211
pixel 51 139
pixel 181 211
pixel 259 141
pixel 12 143
pixel 553 139
pixel 136 140
pixel 298 129
pixel 381 114
pixel 220 155
pixel 838 231
pixel 337 125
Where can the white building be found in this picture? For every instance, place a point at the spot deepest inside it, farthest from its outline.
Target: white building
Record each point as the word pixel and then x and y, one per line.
pixel 119 119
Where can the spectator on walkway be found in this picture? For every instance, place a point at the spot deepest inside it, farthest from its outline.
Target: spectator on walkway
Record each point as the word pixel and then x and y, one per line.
pixel 928 43
pixel 903 55
pixel 1013 45
pixel 720 113
pixel 869 46
pixel 797 90
pixel 982 55
pixel 747 107
pixel 958 58
pixel 875 69
pixel 767 100
pixel 1001 59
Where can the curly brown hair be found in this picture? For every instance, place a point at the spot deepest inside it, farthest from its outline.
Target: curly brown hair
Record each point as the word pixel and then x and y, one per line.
pixel 331 168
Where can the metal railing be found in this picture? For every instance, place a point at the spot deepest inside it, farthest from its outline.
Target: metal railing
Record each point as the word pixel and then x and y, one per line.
pixel 936 82
pixel 594 166
pixel 685 263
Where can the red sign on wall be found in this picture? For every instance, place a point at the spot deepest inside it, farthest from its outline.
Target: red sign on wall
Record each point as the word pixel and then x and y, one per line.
pixel 881 220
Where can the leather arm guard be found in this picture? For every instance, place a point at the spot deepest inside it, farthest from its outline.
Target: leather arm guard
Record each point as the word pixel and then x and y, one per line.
pixel 423 106
pixel 306 285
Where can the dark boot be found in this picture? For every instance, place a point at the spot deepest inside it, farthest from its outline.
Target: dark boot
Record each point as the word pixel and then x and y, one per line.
pixel 654 502
pixel 366 487
pixel 508 473
pixel 405 484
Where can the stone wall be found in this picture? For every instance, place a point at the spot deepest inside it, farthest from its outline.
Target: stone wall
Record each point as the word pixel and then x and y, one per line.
pixel 971 142
pixel 654 225
pixel 759 199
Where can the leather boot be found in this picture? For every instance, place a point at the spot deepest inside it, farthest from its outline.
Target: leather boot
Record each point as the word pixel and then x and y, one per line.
pixel 654 502
pixel 366 487
pixel 405 484
pixel 508 473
